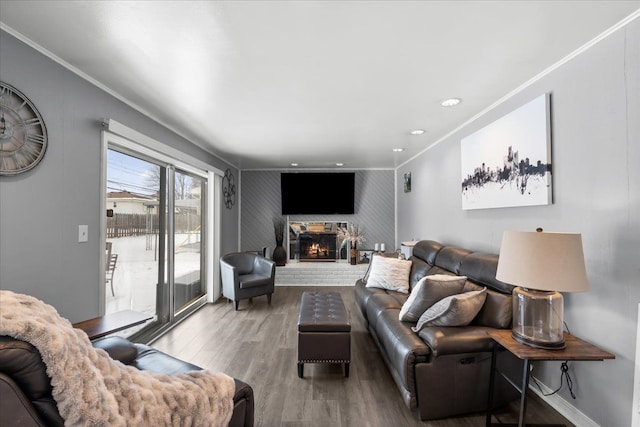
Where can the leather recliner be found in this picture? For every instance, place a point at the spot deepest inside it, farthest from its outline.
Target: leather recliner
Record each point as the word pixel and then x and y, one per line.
pixel 443 371
pixel 25 388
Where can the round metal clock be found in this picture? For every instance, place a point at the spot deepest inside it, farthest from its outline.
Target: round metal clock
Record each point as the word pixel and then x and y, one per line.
pixel 23 135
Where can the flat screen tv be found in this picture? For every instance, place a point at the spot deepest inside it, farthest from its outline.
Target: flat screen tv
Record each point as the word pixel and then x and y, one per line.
pixel 317 193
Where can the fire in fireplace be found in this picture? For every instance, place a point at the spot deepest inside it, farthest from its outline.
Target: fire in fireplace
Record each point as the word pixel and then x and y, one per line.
pixel 317 246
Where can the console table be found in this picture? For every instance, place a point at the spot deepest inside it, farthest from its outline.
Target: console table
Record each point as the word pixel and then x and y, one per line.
pixel 102 326
pixel 576 349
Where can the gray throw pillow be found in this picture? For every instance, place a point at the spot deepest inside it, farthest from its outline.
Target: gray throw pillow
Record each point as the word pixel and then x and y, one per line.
pixel 428 291
pixel 455 310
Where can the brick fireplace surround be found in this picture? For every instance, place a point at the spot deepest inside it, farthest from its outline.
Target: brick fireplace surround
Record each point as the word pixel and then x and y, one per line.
pixel 339 273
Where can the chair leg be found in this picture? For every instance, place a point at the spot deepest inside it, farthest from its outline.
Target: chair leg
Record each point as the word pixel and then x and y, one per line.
pixel 113 294
pixel 236 303
pixel 269 298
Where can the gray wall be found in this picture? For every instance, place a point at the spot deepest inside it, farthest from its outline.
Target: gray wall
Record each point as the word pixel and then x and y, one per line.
pixel 261 202
pixel 40 210
pixel 595 102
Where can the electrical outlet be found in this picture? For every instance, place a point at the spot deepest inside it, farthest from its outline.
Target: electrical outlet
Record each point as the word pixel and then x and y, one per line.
pixel 83 233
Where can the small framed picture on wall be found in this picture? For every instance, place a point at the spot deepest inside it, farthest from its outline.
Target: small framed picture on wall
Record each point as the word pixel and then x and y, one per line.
pixel 407 182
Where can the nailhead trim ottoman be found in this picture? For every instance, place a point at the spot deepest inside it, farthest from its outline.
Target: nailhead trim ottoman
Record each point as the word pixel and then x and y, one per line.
pixel 324 331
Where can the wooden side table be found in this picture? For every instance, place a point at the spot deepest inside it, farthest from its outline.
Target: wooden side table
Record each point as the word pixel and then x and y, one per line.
pixel 102 326
pixel 576 349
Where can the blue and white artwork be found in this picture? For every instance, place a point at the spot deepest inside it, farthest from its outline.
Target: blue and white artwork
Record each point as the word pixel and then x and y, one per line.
pixel 508 162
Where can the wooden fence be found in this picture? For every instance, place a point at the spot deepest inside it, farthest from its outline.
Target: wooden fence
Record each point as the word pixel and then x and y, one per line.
pixel 125 225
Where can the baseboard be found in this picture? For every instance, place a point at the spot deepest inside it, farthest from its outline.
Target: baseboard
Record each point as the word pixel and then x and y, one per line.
pixel 319 285
pixel 563 407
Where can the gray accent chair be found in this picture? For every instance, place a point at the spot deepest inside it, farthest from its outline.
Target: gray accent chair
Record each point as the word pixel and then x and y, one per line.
pixel 247 275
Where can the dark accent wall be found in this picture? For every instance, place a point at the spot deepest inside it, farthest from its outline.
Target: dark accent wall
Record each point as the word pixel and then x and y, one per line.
pixel 261 203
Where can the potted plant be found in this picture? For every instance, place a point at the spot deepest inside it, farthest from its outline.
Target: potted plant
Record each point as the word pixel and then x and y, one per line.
pixel 355 235
pixel 279 255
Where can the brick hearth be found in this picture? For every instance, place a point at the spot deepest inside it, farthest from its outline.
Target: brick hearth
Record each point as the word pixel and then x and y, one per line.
pixel 319 274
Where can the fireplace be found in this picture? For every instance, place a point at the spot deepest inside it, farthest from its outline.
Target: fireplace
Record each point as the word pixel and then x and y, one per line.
pixel 317 246
pixel 318 240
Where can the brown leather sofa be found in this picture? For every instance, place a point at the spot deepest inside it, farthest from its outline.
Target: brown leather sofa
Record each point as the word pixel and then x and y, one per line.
pixel 443 371
pixel 25 388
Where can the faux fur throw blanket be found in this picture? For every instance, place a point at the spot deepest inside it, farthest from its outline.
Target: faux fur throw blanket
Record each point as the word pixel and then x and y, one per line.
pixel 91 389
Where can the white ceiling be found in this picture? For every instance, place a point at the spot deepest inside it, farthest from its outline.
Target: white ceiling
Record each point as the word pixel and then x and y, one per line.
pixel 263 84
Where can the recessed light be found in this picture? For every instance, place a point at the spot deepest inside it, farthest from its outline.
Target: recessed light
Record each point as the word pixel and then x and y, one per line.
pixel 451 102
pixel 339 164
pixel 417 132
pixel 398 150
pixel 294 164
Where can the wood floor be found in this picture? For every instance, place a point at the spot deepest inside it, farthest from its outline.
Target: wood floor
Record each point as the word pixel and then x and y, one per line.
pixel 258 345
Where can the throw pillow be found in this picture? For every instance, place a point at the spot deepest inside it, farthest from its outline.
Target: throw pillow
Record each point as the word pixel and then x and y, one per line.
pixel 428 291
pixel 389 273
pixel 383 254
pixel 455 310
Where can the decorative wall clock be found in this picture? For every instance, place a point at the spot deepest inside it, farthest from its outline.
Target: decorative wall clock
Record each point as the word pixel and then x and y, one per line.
pixel 23 135
pixel 228 189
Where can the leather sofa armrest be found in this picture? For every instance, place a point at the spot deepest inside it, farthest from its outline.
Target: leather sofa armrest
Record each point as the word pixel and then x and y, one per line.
pixel 264 266
pixel 456 340
pixel 15 407
pixel 229 276
pixel 243 406
pixel 118 348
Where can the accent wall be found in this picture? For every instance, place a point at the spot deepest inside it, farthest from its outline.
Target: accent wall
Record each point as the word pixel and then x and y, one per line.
pixel 261 203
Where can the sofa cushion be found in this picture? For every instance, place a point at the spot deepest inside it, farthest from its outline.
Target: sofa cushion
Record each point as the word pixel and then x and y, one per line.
pixel 419 269
pixel 381 302
pixel 389 273
pixel 444 340
pixel 497 311
pixel 242 261
pixel 427 250
pixel 428 291
pixel 481 268
pixel 439 270
pixel 455 310
pixel 450 258
pixel 363 294
pixel 253 280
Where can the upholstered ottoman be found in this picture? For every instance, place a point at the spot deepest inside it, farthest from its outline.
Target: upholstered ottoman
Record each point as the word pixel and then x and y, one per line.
pixel 324 331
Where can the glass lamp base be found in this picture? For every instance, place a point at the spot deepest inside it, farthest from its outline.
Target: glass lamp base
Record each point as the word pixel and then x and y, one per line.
pixel 536 343
pixel 538 318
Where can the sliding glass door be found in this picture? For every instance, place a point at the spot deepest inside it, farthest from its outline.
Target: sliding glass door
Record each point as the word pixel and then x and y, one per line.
pixel 188 243
pixel 155 251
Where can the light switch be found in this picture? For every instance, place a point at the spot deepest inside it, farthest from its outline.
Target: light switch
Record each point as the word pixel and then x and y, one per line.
pixel 83 233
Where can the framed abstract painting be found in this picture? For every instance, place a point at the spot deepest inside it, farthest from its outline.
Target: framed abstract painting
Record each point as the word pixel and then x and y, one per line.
pixel 508 162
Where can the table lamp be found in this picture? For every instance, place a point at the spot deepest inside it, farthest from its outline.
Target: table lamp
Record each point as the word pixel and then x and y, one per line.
pixel 541 265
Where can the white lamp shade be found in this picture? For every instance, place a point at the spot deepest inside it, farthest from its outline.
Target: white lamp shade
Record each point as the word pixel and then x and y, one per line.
pixel 543 261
